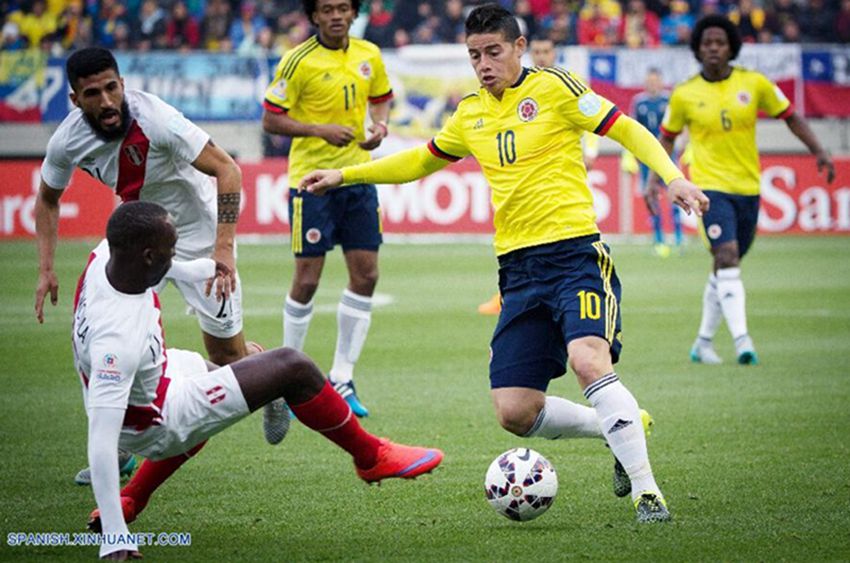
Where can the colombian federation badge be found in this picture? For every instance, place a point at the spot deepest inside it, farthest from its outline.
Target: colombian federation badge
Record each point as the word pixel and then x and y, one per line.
pixel 365 70
pixel 527 109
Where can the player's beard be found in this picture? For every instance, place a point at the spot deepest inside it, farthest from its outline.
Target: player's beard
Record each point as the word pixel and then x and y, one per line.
pixel 112 134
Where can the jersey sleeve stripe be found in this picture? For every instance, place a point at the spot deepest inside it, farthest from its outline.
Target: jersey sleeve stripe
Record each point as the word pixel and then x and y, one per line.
pixel 382 98
pixel 607 121
pixel 572 88
pixel 440 153
pixel 667 133
pixel 296 60
pixel 786 113
pixel 571 79
pixel 273 108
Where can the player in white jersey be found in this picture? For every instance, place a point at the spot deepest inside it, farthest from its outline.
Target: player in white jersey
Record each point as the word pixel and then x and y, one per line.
pixel 163 403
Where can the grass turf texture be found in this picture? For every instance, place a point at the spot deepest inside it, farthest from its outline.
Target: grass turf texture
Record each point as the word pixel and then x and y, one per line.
pixel 753 460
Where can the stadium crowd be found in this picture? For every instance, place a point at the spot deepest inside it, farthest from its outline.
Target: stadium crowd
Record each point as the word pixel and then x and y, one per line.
pixel 257 27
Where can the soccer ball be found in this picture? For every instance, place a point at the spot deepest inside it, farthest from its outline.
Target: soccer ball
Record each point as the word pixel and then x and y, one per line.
pixel 521 484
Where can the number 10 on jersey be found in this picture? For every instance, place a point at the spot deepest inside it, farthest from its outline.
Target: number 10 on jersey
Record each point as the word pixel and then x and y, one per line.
pixel 507 147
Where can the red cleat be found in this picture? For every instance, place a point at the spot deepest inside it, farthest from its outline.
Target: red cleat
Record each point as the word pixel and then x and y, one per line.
pixel 397 460
pixel 128 507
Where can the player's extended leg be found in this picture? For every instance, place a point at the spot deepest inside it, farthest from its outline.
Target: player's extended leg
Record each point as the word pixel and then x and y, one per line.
pixel 676 217
pixel 702 350
pixel 223 351
pixel 619 418
pixel 354 315
pixel 292 375
pixel 297 314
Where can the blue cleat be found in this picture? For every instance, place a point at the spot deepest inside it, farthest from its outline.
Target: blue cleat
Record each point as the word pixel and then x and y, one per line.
pixel 746 352
pixel 346 391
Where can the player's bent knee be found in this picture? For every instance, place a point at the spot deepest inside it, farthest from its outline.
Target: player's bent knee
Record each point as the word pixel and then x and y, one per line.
pixel 297 374
pixel 516 420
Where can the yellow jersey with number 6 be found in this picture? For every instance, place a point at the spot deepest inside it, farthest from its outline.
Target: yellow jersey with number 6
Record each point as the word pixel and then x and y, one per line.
pixel 721 119
pixel 316 84
pixel 528 145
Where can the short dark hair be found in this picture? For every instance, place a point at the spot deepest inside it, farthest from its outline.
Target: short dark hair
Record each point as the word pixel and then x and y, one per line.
pixel 492 18
pixel 716 20
pixel 89 61
pixel 310 7
pixel 135 224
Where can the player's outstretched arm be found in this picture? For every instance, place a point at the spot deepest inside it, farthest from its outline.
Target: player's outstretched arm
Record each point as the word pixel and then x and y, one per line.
pixel 214 161
pixel 398 168
pixel 46 229
pixel 104 431
pixel 637 139
pixel 802 131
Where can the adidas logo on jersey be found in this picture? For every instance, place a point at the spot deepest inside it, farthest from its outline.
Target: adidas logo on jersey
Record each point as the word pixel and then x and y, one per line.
pixel 327 76
pixel 478 124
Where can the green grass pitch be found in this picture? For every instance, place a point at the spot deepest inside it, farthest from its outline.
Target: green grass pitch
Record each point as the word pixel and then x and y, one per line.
pixel 753 460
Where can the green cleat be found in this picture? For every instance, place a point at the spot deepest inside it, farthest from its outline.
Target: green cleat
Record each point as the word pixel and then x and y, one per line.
pixel 621 481
pixel 746 352
pixel 651 508
pixel 126 465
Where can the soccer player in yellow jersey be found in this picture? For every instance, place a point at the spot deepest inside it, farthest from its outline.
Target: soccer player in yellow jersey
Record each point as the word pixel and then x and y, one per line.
pixel 320 96
pixel 720 107
pixel 543 55
pixel 559 289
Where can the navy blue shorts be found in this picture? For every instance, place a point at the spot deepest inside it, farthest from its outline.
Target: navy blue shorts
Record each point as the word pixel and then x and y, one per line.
pixel 551 295
pixel 731 217
pixel 349 216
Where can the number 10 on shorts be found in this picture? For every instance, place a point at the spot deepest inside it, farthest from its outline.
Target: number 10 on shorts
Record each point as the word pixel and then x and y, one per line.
pixel 589 305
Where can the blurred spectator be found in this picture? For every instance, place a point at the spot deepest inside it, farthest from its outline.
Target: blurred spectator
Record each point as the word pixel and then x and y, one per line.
pixel 426 32
pixel 638 27
pixel 182 30
pixel 523 12
pixel 451 28
pixel 246 29
pixel 817 21
pixel 597 27
pixel 401 38
pixel 379 30
pixel 790 32
pixel 842 23
pixel 12 39
pixel 216 25
pixel 677 25
pixel 150 29
pixel 293 28
pixel 34 24
pixel 110 18
pixel 780 12
pixel 74 27
pixel 560 24
pixel 749 19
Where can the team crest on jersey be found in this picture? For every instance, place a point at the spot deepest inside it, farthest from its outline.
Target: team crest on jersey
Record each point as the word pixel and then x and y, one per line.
pixel 744 98
pixel 589 104
pixel 365 70
pixel 135 155
pixel 527 109
pixel 279 89
pixel 109 360
pixel 313 235
pixel 714 231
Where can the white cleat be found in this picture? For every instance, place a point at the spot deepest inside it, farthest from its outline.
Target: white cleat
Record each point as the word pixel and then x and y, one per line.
pixel 702 352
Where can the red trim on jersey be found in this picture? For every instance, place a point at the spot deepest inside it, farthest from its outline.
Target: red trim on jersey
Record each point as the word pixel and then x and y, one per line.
pixel 82 281
pixel 439 153
pixel 132 163
pixel 382 98
pixel 608 121
pixel 145 416
pixel 274 108
pixel 667 133
pixel 786 113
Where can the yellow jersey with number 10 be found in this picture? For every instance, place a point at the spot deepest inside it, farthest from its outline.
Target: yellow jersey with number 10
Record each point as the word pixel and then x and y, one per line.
pixel 721 119
pixel 316 84
pixel 528 145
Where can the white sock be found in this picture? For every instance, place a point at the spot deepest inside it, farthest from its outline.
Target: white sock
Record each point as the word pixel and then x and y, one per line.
pixel 561 418
pixel 619 419
pixel 711 311
pixel 296 321
pixel 730 291
pixel 353 317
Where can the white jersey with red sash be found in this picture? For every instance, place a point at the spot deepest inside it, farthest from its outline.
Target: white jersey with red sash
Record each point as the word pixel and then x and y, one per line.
pixel 119 346
pixel 153 162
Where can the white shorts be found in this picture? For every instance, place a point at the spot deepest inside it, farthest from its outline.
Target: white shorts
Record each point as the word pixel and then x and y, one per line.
pixel 222 319
pixel 198 404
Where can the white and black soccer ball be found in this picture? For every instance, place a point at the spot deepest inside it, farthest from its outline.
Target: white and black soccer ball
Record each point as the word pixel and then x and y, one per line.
pixel 521 484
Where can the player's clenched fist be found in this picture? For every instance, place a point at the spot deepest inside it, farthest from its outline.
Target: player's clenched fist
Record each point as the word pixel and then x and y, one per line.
pixel 320 181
